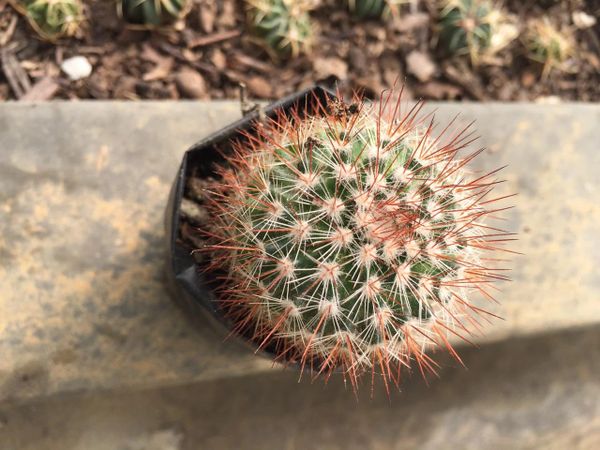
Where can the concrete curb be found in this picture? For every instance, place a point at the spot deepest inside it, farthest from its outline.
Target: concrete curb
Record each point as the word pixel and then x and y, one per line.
pixel 84 304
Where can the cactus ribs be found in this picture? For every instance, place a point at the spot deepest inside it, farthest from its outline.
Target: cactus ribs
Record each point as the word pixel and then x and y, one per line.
pixel 352 241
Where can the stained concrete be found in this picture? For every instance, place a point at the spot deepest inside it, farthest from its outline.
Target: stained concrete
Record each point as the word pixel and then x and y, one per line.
pixel 84 306
pixel 539 392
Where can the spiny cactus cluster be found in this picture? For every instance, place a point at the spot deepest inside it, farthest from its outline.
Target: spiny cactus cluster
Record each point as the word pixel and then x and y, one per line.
pixel 466 26
pixel 352 241
pixel 152 13
pixel 52 19
pixel 283 25
pixel 548 45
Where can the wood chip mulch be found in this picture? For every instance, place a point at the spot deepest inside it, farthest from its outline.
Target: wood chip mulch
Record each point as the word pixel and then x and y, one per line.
pixel 211 52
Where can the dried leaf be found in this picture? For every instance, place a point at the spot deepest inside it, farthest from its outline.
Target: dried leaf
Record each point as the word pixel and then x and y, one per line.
pixel 44 89
pixel 161 70
pixel 207 12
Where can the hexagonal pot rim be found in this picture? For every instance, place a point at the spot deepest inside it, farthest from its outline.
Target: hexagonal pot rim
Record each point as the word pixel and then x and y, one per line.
pixel 188 284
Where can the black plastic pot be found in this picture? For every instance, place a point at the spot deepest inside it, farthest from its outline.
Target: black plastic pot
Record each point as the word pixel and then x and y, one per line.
pixel 191 288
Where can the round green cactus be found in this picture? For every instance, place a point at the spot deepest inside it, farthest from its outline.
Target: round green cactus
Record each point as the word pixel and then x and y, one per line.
pixel 549 45
pixel 351 241
pixel 372 9
pixel 152 13
pixel 283 25
pixel 52 19
pixel 466 26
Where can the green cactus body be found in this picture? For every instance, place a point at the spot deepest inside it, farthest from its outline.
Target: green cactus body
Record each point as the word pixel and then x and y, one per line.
pixel 466 27
pixel 351 241
pixel 548 45
pixel 367 9
pixel 53 18
pixel 373 9
pixel 284 25
pixel 152 12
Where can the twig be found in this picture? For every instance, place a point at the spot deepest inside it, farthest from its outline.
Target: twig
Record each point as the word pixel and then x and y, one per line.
pixel 593 38
pixel 16 76
pixel 201 66
pixel 203 41
pixel 42 90
pixel 9 31
pixel 465 78
pixel 252 63
pixel 247 107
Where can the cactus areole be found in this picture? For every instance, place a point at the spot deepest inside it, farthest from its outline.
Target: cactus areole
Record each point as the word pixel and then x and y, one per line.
pixel 351 239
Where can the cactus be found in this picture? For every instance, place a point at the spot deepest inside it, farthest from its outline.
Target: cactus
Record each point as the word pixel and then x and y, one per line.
pixel 466 26
pixel 476 28
pixel 373 9
pixel 283 25
pixel 152 13
pixel 548 45
pixel 351 241
pixel 52 19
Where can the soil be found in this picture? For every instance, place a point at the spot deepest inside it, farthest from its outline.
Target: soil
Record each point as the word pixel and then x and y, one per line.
pixel 208 54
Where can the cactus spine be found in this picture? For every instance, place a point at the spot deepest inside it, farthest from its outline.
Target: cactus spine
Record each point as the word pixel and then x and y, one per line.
pixel 351 241
pixel 283 25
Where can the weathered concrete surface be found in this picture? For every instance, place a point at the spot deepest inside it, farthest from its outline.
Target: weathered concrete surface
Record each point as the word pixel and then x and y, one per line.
pixel 83 300
pixel 539 392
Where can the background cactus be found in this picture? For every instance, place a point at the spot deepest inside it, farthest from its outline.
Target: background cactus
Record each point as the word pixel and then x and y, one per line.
pixel 152 12
pixel 283 25
pixel 549 46
pixel 373 9
pixel 52 19
pixel 351 241
pixel 466 26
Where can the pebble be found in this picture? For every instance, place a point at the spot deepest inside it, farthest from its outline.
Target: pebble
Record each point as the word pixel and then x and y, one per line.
pixel 259 87
pixel 420 65
pixel 583 20
pixel 191 84
pixel 332 66
pixel 76 67
pixel 548 100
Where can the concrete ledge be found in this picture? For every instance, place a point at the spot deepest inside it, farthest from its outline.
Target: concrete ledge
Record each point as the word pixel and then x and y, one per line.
pixel 83 302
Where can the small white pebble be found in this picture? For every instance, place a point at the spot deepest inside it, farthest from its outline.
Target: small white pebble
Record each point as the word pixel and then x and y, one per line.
pixel 583 20
pixel 77 67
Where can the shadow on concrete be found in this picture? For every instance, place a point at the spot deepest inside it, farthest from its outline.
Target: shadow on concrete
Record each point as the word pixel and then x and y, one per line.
pixel 538 392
